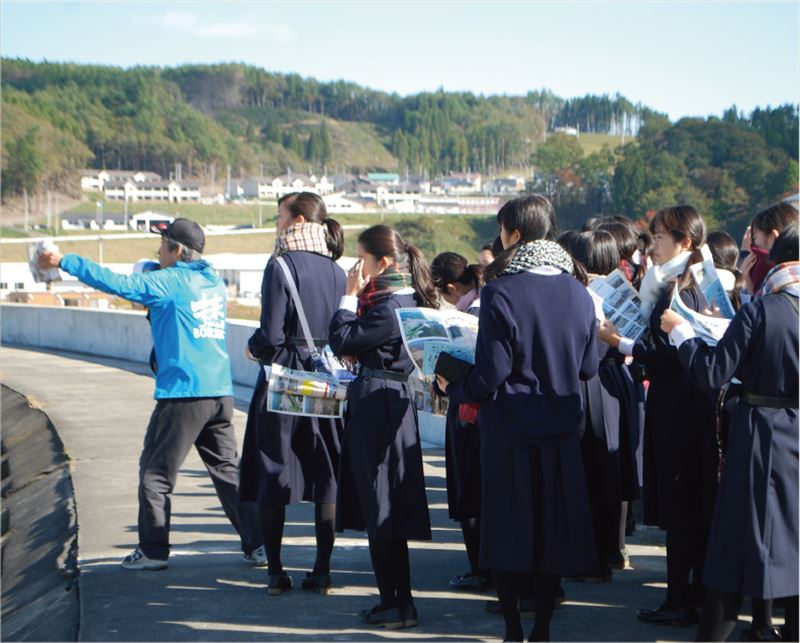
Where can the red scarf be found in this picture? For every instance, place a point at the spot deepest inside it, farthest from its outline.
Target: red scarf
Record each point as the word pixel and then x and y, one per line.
pixel 761 267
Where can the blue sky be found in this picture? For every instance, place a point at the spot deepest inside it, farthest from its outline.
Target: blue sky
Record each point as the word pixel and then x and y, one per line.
pixel 683 58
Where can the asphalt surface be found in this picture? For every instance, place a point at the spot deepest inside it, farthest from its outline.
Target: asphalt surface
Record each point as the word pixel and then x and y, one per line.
pixel 100 408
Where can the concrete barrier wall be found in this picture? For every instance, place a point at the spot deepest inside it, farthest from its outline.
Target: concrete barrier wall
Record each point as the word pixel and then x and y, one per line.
pixel 126 335
pixel 120 334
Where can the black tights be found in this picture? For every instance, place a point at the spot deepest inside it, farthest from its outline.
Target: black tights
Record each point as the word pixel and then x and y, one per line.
pixel 511 586
pixel 721 610
pixel 392 571
pixel 273 518
pixel 685 558
pixel 762 613
pixel 471 530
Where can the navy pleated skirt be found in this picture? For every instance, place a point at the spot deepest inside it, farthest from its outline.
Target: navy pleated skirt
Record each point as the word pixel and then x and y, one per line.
pixel 288 459
pixel 463 466
pixel 535 508
pixel 381 482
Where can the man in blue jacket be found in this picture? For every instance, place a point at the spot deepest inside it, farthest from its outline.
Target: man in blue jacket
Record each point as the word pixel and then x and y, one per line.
pixel 194 391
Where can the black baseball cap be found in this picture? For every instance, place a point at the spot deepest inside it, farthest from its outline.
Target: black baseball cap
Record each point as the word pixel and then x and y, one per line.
pixel 184 231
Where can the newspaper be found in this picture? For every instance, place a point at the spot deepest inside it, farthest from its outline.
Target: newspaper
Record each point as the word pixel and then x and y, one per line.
pixel 306 393
pixel 35 250
pixel 707 278
pixel 709 329
pixel 620 304
pixel 426 334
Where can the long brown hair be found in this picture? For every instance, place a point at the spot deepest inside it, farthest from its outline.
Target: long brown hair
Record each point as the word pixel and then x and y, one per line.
pixel 312 208
pixel 683 222
pixel 382 241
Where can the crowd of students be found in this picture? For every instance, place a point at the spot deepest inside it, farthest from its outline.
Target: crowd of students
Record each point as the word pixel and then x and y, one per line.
pixel 561 424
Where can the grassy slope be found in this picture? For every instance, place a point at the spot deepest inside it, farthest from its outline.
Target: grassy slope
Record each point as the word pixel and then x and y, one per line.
pixel 354 144
pixel 595 142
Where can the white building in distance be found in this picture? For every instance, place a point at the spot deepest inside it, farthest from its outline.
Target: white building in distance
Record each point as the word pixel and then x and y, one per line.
pixel 95 180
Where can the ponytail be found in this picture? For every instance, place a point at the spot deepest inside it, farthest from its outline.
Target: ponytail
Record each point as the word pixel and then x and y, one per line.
pixel 334 238
pixel 500 263
pixel 421 278
pixel 579 272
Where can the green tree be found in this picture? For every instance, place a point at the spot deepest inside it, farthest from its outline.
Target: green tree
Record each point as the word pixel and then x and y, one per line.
pixel 628 184
pixel 23 164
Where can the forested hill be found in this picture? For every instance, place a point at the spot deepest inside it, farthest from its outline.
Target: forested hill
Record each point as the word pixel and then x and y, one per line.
pixel 58 117
pixel 150 118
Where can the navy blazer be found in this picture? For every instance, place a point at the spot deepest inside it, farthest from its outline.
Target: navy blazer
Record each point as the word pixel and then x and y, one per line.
pixel 537 340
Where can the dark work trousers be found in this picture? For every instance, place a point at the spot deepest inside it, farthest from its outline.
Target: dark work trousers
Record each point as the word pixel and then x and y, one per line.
pixel 176 425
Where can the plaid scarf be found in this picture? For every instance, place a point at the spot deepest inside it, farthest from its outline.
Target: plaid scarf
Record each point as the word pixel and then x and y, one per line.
pixel 784 276
pixel 381 288
pixel 303 236
pixel 539 253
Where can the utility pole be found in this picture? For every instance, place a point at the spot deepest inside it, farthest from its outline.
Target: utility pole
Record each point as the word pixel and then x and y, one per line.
pixel 229 181
pixel 126 212
pixel 25 216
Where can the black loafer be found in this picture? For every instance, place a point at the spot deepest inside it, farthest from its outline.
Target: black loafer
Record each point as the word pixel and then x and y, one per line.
pixel 278 584
pixel 683 616
pixel 388 617
pixel 320 583
pixel 409 614
pixel 469 582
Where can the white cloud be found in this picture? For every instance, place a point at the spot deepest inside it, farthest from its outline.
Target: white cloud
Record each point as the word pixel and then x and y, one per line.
pixel 226 29
pixel 190 23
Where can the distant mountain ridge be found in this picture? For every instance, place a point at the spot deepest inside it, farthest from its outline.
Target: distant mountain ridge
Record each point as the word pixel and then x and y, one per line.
pixel 58 117
pixel 150 118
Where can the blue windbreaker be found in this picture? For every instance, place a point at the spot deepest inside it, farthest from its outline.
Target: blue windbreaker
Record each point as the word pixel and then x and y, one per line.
pixel 188 309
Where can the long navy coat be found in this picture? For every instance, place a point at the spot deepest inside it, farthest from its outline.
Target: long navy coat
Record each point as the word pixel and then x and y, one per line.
pixel 752 549
pixel 680 459
pixel 288 459
pixel 536 342
pixel 381 483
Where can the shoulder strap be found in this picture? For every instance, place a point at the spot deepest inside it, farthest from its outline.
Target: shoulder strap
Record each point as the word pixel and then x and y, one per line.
pixel 301 315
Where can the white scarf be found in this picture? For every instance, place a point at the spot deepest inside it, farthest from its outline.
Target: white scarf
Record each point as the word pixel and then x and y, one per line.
pixel 656 279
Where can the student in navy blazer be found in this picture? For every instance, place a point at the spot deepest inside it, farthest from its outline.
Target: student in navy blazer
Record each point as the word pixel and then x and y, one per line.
pixel 536 342
pixel 752 549
pixel 288 459
pixel 381 482
pixel 680 455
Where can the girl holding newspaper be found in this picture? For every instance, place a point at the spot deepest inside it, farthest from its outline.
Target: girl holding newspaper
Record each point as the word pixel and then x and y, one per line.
pixel 460 285
pixel 291 458
pixel 752 549
pixel 679 456
pixel 381 483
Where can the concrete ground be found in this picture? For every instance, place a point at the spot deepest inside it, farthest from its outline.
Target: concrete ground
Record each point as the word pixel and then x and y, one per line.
pixel 100 408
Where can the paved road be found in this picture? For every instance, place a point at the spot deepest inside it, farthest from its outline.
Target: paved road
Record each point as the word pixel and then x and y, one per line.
pixel 100 408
